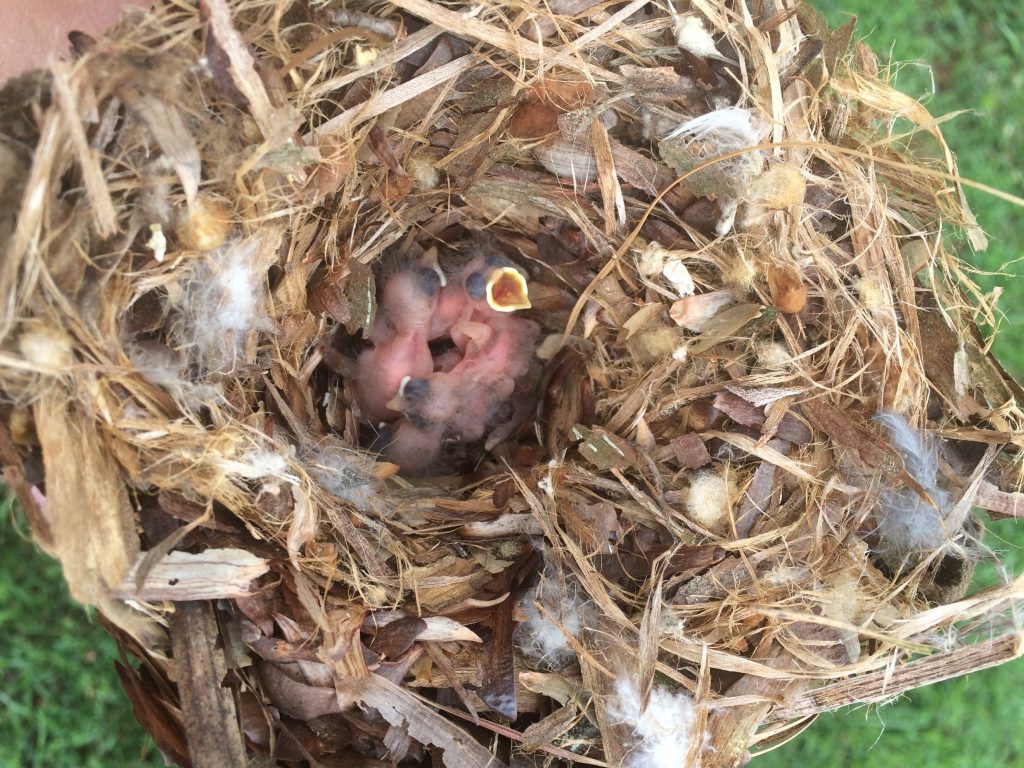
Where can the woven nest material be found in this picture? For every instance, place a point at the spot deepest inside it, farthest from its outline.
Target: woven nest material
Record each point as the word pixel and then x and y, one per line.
pixel 732 488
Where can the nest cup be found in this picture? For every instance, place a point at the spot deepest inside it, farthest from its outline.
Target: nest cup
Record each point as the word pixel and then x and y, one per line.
pixel 734 490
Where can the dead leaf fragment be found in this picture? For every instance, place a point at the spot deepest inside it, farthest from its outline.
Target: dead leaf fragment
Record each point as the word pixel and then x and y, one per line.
pixel 394 638
pixel 397 706
pixel 361 292
pixel 690 451
pixel 208 575
pixel 540 106
pixel 694 313
pixel 498 686
pixel 725 325
pixel 604 449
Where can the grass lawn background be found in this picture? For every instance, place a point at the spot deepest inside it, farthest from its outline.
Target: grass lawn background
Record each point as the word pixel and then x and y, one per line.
pixel 61 704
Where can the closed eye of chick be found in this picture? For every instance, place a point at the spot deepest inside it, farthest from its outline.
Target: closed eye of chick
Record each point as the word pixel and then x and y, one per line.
pixel 466 406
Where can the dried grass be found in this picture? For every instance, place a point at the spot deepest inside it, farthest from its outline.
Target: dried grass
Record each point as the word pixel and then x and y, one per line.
pixel 211 199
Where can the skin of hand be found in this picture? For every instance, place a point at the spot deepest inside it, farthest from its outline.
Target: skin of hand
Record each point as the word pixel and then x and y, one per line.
pixel 33 33
pixel 399 336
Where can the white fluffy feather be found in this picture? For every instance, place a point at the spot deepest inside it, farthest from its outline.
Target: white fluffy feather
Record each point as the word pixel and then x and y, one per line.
pixel 226 300
pixel 662 731
pixel 716 133
pixel 338 471
pixel 545 640
pixel 257 464
pixel 730 128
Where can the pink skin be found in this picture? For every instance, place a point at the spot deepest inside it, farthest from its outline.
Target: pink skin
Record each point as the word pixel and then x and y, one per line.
pixel 503 351
pixel 465 406
pixel 382 368
pixel 408 305
pixel 444 362
pixel 399 336
pixel 471 381
pixel 467 397
pixel 414 449
pixel 473 329
pixel 456 305
pixel 34 33
pixel 450 308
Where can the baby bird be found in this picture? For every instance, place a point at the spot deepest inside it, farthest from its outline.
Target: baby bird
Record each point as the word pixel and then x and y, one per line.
pixel 447 400
pixel 502 353
pixel 421 401
pixel 399 336
pixel 414 449
pixel 467 397
pixel 408 303
pixel 487 284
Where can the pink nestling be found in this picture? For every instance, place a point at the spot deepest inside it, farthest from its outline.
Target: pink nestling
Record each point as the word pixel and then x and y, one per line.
pixel 486 285
pixel 467 398
pixel 421 401
pixel 413 448
pixel 400 335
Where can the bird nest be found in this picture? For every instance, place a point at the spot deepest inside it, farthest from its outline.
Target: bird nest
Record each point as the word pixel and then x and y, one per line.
pixel 719 478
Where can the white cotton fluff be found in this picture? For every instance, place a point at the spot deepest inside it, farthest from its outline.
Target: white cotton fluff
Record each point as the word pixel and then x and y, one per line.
pixel 46 347
pixel 652 259
pixel 730 128
pixel 678 275
pixel 662 731
pixel 157 242
pixel 907 524
pixel 543 640
pixel 692 36
pixel 339 472
pixel 773 356
pixel 711 135
pixel 257 464
pixel 226 300
pixel 710 499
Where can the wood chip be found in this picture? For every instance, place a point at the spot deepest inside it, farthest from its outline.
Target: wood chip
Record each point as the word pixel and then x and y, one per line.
pixel 207 575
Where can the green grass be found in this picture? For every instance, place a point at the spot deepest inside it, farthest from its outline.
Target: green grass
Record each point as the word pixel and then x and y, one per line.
pixel 61 704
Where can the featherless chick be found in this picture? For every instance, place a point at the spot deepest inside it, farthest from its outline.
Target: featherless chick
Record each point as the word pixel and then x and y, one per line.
pixel 413 448
pixel 423 400
pixel 486 285
pixel 467 397
pixel 400 340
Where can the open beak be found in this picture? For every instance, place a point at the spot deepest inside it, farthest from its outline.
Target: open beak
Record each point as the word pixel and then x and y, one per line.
pixel 507 290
